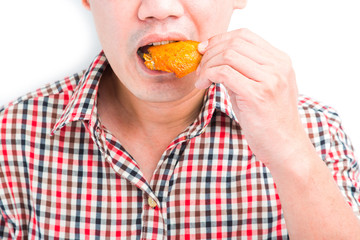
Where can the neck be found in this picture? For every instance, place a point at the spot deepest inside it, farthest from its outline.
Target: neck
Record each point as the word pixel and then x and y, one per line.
pixel 161 115
pixel 146 116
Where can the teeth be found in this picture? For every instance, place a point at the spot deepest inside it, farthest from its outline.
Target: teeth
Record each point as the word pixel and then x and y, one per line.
pixel 161 43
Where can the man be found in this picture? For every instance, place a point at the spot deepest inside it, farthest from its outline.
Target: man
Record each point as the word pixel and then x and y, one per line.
pixel 120 151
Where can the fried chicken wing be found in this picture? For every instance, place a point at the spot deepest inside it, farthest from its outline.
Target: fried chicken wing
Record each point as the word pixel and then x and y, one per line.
pixel 180 58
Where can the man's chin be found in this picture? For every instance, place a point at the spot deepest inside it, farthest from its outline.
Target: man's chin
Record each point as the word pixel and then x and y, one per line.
pixel 167 89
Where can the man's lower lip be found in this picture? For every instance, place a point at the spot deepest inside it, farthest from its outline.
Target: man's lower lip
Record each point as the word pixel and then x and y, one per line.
pixel 148 71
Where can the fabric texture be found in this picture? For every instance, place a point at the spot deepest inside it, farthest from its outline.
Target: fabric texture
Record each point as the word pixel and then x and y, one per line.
pixel 63 175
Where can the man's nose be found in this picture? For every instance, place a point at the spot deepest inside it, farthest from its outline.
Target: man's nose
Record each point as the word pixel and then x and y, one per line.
pixel 160 9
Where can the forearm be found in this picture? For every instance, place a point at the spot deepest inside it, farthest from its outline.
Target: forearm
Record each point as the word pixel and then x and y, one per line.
pixel 313 205
pixel 262 87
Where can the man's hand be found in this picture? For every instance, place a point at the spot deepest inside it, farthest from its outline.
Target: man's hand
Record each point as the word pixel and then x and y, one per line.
pixel 261 83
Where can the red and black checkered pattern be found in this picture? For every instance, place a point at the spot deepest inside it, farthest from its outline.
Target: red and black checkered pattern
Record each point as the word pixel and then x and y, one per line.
pixel 65 176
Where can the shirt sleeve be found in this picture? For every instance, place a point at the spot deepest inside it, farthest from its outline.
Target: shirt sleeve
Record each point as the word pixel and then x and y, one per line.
pixel 341 160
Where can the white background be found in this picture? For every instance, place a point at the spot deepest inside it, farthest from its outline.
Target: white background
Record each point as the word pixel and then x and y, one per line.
pixel 45 40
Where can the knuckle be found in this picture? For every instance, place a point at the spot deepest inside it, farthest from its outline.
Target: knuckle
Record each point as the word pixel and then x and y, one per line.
pixel 286 59
pixel 226 69
pixel 273 85
pixel 224 72
pixel 286 68
pixel 234 42
pixel 280 84
pixel 218 38
pixel 244 31
pixel 218 74
pixel 277 80
pixel 238 43
pixel 228 55
pixel 267 92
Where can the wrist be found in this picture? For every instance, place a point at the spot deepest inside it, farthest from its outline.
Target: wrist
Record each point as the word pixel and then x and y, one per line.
pixel 297 162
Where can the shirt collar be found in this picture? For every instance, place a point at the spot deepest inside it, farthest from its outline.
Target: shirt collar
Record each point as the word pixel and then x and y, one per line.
pixel 222 101
pixel 216 99
pixel 82 104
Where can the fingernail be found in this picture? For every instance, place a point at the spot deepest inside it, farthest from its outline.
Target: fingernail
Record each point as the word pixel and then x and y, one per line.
pixel 202 46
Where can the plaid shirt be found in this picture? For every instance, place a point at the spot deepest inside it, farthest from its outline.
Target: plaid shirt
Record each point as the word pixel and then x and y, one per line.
pixel 65 176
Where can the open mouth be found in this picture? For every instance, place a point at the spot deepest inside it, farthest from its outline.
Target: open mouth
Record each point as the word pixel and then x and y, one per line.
pixel 144 49
pixel 178 57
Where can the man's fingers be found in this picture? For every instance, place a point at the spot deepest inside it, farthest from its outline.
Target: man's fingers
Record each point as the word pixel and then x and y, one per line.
pixel 240 46
pixel 238 62
pixel 203 83
pixel 245 35
pixel 229 77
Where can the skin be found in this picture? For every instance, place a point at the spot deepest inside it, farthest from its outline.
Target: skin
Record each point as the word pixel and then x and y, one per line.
pixel 147 110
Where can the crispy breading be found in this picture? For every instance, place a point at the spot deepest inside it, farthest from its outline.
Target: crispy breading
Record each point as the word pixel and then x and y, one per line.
pixel 180 58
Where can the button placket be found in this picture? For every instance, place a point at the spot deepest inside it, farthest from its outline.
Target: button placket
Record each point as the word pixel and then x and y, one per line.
pixel 153 220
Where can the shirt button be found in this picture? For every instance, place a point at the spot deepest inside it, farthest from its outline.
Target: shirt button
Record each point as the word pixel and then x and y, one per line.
pixel 152 202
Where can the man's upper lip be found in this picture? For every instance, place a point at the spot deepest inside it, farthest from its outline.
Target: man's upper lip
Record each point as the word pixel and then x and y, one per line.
pixel 155 37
